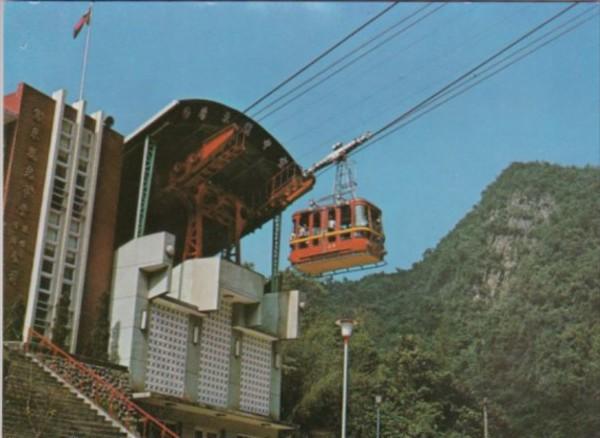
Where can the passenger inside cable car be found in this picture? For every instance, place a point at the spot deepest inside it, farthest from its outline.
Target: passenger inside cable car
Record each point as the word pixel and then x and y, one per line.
pixel 337 237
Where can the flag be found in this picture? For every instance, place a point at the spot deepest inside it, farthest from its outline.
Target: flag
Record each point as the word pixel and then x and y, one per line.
pixel 85 19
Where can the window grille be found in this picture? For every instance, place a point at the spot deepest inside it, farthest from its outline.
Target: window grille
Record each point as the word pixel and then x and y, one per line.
pixel 255 380
pixel 167 350
pixel 215 351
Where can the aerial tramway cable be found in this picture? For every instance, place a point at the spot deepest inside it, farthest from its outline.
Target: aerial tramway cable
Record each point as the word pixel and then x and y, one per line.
pixel 467 85
pixel 351 62
pixel 471 71
pixel 339 60
pixel 453 85
pixel 321 56
pixel 437 60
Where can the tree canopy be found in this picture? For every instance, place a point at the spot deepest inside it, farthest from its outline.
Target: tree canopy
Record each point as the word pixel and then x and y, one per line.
pixel 504 308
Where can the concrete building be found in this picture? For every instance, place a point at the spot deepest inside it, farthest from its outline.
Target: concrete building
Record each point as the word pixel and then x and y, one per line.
pixel 199 332
pixel 201 340
pixel 61 184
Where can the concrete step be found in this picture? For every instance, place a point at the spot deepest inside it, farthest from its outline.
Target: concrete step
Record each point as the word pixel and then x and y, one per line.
pixel 35 403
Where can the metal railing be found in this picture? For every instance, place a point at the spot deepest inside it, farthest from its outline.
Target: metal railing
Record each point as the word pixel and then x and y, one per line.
pixel 83 378
pixel 366 232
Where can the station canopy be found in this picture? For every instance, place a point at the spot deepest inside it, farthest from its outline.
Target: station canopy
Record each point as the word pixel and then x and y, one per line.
pixel 214 168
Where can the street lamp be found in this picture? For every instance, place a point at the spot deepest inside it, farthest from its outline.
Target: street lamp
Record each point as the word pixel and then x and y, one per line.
pixel 346 325
pixel 378 404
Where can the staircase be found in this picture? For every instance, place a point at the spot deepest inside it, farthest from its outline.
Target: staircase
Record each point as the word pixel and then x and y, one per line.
pixel 36 404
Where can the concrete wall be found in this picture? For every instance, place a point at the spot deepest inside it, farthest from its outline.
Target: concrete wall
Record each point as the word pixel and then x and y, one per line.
pixel 143 273
pixel 139 263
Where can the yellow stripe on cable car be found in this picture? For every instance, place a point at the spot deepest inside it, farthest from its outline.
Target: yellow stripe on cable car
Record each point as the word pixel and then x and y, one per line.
pixel 335 233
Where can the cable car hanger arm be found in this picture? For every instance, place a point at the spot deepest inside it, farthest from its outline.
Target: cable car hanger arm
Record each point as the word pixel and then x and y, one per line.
pixel 340 151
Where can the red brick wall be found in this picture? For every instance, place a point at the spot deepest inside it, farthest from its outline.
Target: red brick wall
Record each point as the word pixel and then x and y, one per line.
pixel 23 185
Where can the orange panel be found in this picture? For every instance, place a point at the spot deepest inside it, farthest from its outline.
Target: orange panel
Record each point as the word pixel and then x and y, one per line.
pixel 209 147
pixel 334 263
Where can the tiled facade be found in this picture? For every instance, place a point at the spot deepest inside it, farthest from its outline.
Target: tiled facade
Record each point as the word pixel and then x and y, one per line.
pixel 215 349
pixel 255 382
pixel 167 351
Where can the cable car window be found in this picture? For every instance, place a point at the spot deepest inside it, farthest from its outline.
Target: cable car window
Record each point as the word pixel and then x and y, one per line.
pixel 316 222
pixel 360 216
pixel 376 219
pixel 331 222
pixel 346 219
pixel 303 225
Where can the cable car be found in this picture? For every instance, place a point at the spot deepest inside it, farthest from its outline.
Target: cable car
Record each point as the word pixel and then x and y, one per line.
pixel 337 237
pixel 339 233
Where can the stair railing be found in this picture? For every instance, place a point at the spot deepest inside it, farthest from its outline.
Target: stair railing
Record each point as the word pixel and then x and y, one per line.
pixel 114 401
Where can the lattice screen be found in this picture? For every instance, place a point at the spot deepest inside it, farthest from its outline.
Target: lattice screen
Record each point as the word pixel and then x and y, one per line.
pixel 255 381
pixel 167 348
pixel 215 350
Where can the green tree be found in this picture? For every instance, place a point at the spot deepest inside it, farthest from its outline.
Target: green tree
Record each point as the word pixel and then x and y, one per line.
pixel 60 331
pixel 98 345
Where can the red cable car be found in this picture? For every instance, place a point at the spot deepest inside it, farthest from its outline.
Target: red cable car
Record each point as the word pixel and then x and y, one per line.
pixel 337 237
pixel 343 234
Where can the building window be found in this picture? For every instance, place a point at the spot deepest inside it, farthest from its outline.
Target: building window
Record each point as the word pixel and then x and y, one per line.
pixel 84 153
pixel 67 127
pixel 43 298
pixel 82 167
pixel 66 289
pixel 88 137
pixel 74 227
pixel 59 187
pixel 54 218
pixel 80 181
pixel 49 251
pixel 57 202
pixel 45 283
pixel 70 258
pixel 77 209
pixel 63 156
pixel 72 242
pixel 41 314
pixel 47 266
pixel 52 235
pixel 68 274
pixel 61 171
pixel 65 143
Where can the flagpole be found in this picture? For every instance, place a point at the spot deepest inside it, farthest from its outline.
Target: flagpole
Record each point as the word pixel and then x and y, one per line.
pixel 85 54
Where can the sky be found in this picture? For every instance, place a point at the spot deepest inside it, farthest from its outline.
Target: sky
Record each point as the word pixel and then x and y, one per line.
pixel 425 177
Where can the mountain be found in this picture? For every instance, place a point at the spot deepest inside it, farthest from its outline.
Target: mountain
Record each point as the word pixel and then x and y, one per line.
pixel 505 308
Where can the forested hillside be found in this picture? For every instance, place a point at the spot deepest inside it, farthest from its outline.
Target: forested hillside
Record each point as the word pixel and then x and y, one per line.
pixel 506 307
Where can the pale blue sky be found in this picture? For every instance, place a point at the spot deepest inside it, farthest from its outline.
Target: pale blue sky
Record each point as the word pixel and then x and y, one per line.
pixel 425 177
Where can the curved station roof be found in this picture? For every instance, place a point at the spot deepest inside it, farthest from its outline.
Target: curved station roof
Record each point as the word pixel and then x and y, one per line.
pixel 205 146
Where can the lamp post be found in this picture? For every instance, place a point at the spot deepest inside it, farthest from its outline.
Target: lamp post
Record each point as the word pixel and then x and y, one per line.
pixel 346 325
pixel 378 404
pixel 485 418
